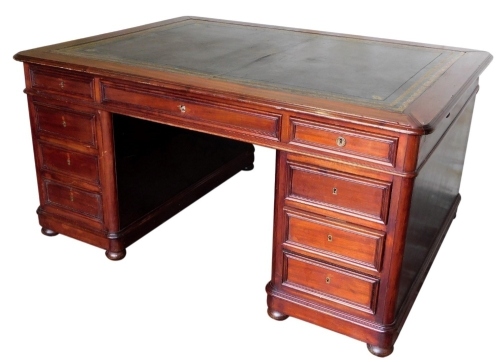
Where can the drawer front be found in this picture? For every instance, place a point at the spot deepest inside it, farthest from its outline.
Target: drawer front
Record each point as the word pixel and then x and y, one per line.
pixel 70 163
pixel 352 244
pixel 79 127
pixel 340 192
pixel 69 83
pixel 344 141
pixel 330 284
pixel 79 201
pixel 260 123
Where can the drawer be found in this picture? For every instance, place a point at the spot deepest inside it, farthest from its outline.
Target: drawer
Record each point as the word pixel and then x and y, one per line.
pixel 78 127
pixel 340 192
pixel 330 284
pixel 346 141
pixel 221 115
pixel 72 84
pixel 69 162
pixel 75 200
pixel 352 244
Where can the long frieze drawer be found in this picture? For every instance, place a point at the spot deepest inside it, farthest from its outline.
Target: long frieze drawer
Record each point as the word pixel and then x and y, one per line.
pixel 340 140
pixel 340 192
pixel 76 126
pixel 329 283
pixel 75 200
pixel 69 162
pixel 336 240
pixel 261 123
pixel 67 83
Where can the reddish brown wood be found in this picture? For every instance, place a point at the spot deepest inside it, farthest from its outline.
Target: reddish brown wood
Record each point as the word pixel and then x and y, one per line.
pixel 344 141
pixel 329 284
pixel 68 162
pixel 369 152
pixel 64 123
pixel 327 238
pixel 341 192
pixel 64 82
pixel 74 199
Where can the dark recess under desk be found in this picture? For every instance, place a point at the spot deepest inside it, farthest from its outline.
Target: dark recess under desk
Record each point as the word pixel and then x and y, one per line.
pixel 155 163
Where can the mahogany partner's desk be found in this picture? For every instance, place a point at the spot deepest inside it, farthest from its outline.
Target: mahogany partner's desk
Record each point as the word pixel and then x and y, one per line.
pixel 370 137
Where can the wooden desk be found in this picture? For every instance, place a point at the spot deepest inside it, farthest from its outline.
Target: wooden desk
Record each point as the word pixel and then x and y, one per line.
pixel 370 138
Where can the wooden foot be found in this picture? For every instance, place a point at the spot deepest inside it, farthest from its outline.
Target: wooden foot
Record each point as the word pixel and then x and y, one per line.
pixel 48 232
pixel 276 315
pixel 248 168
pixel 380 351
pixel 116 255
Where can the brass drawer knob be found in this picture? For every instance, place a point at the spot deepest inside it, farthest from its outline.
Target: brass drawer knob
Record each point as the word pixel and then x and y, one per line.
pixel 341 141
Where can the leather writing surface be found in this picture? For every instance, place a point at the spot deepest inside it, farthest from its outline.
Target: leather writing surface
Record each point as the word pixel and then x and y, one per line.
pixel 381 73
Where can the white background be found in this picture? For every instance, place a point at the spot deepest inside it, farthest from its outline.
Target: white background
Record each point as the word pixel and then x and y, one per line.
pixel 194 288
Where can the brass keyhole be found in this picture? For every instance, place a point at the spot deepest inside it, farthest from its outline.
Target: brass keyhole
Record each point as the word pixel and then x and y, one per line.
pixel 64 124
pixel 61 84
pixel 327 280
pixel 71 196
pixel 182 108
pixel 330 238
pixel 68 160
pixel 335 191
pixel 341 141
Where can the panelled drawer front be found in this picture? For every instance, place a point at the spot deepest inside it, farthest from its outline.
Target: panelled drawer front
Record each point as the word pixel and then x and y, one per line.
pixel 79 127
pixel 330 284
pixel 340 192
pixel 75 200
pixel 69 162
pixel 264 124
pixel 341 140
pixel 67 83
pixel 352 244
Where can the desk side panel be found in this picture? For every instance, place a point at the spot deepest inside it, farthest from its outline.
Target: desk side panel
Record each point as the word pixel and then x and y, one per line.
pixel 433 206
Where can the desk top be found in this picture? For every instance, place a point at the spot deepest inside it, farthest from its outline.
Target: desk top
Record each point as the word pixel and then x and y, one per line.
pixel 405 83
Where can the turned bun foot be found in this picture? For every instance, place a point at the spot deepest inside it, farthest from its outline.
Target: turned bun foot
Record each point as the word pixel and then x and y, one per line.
pixel 48 232
pixel 248 167
pixel 116 255
pixel 380 351
pixel 276 315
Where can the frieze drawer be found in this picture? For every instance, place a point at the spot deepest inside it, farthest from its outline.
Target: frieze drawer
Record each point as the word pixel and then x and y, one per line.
pixel 264 124
pixel 71 84
pixel 378 148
